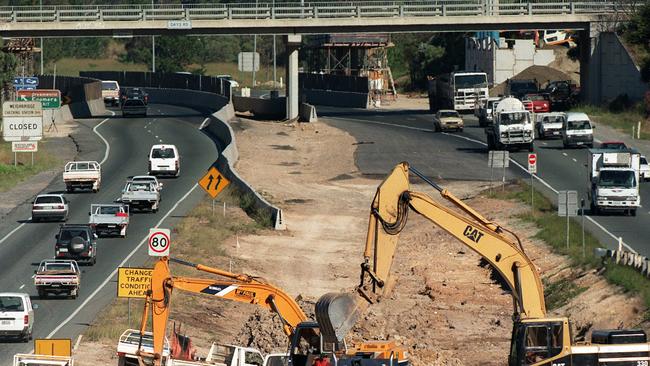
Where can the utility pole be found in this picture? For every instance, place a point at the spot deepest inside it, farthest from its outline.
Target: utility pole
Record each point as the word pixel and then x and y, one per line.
pixel 254 46
pixel 153 48
pixel 274 58
pixel 41 3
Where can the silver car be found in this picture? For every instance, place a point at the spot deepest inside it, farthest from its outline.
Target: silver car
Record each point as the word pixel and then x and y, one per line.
pixel 50 206
pixel 447 119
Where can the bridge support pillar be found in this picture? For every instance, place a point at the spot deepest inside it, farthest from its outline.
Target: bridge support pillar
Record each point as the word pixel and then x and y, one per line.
pixel 589 64
pixel 292 45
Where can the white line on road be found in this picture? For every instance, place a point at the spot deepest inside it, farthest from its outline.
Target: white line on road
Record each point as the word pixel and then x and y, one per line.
pixel 101 286
pixel 574 160
pixel 108 146
pixel 21 286
pixel 205 121
pixel 157 137
pixel 12 232
pixel 565 154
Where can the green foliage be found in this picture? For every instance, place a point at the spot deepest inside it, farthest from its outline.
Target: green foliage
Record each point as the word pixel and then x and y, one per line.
pixel 58 48
pixel 8 64
pixel 631 280
pixel 559 293
pixel 637 32
pixel 620 119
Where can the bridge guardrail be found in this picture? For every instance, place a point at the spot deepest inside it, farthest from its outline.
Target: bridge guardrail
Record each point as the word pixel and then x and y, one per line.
pixel 297 10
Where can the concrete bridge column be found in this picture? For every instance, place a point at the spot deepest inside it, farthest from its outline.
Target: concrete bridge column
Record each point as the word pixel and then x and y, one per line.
pixel 589 83
pixel 293 45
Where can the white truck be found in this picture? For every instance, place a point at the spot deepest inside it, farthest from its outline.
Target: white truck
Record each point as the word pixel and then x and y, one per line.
pixel 109 219
pixel 460 91
pixel 57 276
pixel 512 128
pixel 82 175
pixel 141 196
pixel 614 181
pixel 548 125
pixel 23 359
pixel 127 347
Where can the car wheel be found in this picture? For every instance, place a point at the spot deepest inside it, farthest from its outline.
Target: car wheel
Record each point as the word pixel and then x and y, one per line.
pixel 35 219
pixel 460 130
pixel 25 338
pixel 93 261
pixel 41 293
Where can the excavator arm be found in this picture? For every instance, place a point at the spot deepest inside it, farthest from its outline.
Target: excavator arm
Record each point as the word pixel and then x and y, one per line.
pixel 240 288
pixel 337 313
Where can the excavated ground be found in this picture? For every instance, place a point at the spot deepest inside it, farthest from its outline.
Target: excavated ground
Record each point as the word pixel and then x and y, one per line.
pixel 443 307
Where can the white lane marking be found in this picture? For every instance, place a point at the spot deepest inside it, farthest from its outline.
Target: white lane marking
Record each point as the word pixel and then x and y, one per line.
pixel 574 160
pixel 108 146
pixel 21 286
pixel 382 123
pixel 589 218
pixel 126 259
pixel 160 140
pixel 157 137
pixel 12 232
pixel 565 154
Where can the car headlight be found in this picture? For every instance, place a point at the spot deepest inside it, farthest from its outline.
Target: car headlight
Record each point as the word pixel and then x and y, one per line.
pixel 504 134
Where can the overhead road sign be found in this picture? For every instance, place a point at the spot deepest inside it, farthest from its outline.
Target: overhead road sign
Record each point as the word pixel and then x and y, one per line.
pixel 49 98
pixel 133 282
pixel 213 182
pixel 179 24
pixel 159 242
pixel 22 121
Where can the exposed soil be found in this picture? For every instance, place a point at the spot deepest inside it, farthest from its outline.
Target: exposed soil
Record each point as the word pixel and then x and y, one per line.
pixel 543 74
pixel 444 305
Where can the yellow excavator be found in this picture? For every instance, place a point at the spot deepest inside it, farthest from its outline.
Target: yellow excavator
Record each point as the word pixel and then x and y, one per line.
pixel 536 339
pixel 306 342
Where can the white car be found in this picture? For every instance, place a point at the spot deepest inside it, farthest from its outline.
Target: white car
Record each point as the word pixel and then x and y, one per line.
pixel 644 169
pixel 164 160
pixel 16 315
pixel 148 179
pixel 50 206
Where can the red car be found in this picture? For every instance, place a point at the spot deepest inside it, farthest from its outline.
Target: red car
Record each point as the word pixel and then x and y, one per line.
pixel 537 103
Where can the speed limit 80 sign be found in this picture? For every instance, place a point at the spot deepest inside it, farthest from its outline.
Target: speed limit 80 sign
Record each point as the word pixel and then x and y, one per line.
pixel 159 241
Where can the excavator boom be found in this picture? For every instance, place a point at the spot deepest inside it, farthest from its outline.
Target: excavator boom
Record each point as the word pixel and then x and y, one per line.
pixel 337 313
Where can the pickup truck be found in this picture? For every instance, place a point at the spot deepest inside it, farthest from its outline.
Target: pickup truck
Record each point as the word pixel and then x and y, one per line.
pixel 82 175
pixel 58 277
pixel 109 219
pixel 127 347
pixel 141 196
pixel 23 359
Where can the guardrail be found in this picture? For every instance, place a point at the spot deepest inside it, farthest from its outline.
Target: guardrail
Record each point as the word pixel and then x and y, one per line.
pixel 302 10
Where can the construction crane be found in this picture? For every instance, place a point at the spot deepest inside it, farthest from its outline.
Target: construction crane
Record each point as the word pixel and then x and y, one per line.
pixel 536 339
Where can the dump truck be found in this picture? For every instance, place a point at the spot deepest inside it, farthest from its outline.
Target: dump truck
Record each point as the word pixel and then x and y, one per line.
pixel 512 128
pixel 614 180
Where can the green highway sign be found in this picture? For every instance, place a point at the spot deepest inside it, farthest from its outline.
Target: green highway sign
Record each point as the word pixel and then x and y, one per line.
pixel 49 98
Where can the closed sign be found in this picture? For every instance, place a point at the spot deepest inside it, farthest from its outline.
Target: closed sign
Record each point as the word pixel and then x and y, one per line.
pixel 22 121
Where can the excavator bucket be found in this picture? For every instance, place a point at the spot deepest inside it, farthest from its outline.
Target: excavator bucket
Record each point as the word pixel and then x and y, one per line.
pixel 337 313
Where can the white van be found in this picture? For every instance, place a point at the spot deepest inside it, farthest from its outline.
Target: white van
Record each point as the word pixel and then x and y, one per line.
pixel 16 315
pixel 577 130
pixel 164 160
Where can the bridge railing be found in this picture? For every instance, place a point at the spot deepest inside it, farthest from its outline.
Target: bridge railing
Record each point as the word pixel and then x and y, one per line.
pixel 298 10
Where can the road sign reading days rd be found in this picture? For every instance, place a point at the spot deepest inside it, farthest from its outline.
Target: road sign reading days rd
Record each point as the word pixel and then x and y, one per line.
pixel 213 182
pixel 159 242
pixel 133 282
pixel 532 163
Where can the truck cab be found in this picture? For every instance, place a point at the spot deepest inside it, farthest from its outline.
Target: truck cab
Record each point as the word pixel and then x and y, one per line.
pixel 614 181
pixel 512 128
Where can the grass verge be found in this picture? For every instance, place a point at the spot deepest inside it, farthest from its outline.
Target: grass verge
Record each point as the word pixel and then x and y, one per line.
pixel 623 121
pixel 198 238
pixel 552 230
pixel 11 175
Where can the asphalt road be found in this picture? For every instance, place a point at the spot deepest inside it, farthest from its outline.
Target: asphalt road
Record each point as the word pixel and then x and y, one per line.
pixel 392 136
pixel 129 140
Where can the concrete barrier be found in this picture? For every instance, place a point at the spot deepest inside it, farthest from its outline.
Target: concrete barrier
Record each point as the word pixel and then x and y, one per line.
pixel 273 108
pixel 307 113
pixel 217 127
pixel 334 98
pixel 85 95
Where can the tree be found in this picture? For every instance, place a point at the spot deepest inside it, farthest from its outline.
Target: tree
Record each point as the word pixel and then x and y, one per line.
pixel 638 32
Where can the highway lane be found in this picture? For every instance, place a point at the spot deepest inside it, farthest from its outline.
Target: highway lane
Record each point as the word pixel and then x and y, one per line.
pixel 406 135
pixel 130 140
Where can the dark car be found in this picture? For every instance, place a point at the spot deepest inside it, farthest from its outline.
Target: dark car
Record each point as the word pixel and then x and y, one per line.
pixel 519 88
pixel 613 145
pixel 78 242
pixel 133 93
pixel 562 94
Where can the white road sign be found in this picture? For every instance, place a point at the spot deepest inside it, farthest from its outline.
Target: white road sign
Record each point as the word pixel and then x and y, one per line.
pixel 247 61
pixel 532 163
pixel 159 242
pixel 22 121
pixel 179 24
pixel 24 146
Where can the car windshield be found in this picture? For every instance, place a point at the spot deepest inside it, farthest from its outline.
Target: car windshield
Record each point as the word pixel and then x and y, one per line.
pixel 143 180
pixel 471 81
pixel 513 118
pixel 109 210
pixel 167 153
pixel 613 146
pixel 617 178
pixel 579 125
pixel 11 303
pixel 644 161
pixel 522 87
pixel 142 186
pixel 47 199
pixel 58 267
pixel 490 104
pixel 535 97
pixel 68 234
pixel 556 119
pixel 109 85
pixel 449 114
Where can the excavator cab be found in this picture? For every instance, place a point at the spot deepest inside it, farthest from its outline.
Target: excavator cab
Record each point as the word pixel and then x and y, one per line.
pixel 540 342
pixel 307 344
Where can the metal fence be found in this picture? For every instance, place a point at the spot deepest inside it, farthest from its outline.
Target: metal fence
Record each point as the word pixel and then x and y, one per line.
pixel 357 84
pixel 209 84
pixel 302 10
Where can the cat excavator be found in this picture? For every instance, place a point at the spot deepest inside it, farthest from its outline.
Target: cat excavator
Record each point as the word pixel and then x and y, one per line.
pixel 536 339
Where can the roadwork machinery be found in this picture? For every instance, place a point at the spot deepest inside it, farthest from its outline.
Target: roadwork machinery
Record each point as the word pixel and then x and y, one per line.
pixel 536 339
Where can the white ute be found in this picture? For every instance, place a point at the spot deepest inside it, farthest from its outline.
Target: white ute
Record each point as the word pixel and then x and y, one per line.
pixel 82 175
pixel 164 160
pixel 16 315
pixel 23 359
pixel 141 196
pixel 58 276
pixel 109 219
pixel 127 347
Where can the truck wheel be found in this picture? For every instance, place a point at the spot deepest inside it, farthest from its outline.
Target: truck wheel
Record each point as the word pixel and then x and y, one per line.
pixel 594 209
pixel 69 189
pixel 93 261
pixel 73 294
pixel 26 337
pixel 41 293
pixel 633 212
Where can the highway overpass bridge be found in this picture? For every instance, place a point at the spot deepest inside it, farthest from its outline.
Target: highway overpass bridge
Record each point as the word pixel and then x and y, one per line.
pixel 296 18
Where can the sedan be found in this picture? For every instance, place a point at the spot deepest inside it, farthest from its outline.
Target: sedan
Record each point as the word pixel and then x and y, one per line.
pixel 538 103
pixel 447 119
pixel 50 206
